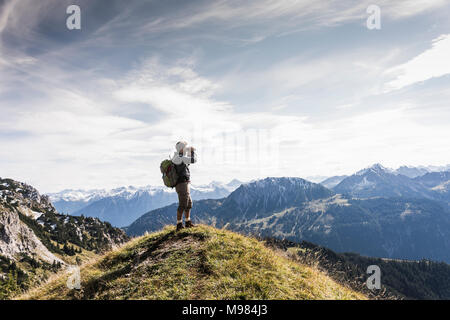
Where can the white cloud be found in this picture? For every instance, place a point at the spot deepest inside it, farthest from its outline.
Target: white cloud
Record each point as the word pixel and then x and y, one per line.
pixel 176 91
pixel 86 128
pixel 434 62
pixel 308 84
pixel 7 8
pixel 308 13
pixel 256 20
pixel 229 140
pixel 78 140
pixel 393 137
pixel 406 8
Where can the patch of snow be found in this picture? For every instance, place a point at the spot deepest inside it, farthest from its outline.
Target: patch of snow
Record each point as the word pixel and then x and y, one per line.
pixel 363 184
pixel 376 168
pixel 408 211
pixel 265 220
pixel 30 213
pixel 321 205
pixel 443 187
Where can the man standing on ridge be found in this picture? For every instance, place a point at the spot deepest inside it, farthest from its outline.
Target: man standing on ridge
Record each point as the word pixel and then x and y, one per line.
pixel 182 158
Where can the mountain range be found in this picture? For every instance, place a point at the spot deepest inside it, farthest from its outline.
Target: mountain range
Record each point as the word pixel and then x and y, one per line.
pixel 375 216
pixel 408 171
pixel 36 240
pixel 378 181
pixel 121 206
pixel 374 212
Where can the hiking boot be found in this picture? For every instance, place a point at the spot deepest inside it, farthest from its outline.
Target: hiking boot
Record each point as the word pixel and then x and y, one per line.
pixel 179 226
pixel 189 224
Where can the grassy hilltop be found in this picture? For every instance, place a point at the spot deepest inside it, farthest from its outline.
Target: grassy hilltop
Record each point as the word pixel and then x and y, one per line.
pixel 198 263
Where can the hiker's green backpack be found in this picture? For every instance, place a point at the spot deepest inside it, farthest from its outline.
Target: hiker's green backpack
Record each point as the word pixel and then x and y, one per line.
pixel 169 173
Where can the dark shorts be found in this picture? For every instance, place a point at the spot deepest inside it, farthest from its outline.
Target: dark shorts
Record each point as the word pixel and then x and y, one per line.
pixel 184 196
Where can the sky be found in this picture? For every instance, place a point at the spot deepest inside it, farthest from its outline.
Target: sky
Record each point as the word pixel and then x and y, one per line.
pixel 270 88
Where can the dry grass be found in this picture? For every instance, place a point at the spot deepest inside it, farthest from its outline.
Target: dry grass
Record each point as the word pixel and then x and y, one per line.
pixel 198 263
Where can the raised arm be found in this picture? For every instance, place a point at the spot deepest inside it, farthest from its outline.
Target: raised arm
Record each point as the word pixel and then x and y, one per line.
pixel 190 159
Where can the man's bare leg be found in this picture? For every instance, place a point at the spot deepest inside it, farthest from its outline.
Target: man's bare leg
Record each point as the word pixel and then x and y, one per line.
pixel 187 213
pixel 179 219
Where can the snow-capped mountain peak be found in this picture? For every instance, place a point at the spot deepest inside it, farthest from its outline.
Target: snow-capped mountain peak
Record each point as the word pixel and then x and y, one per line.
pixel 77 195
pixel 130 191
pixel 378 181
pixel 376 168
